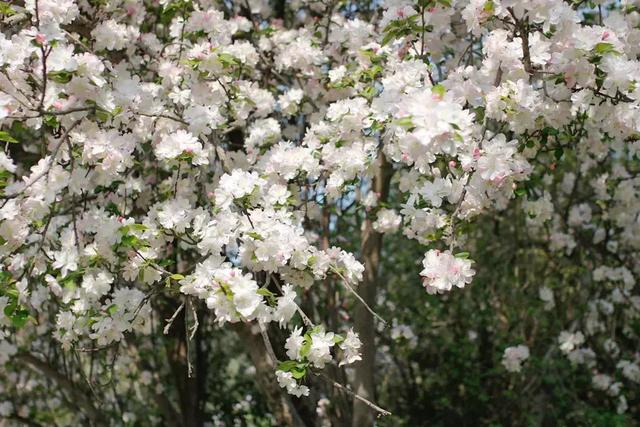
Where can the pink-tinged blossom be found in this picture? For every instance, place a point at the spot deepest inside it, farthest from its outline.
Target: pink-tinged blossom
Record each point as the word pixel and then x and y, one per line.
pixel 443 271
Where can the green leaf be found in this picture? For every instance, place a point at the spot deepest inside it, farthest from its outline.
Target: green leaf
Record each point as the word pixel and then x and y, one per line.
pixel 405 122
pixel 306 347
pixel 138 227
pixel 9 309
pixel 603 48
pixel 462 255
pixel 287 365
pixel 255 235
pixel 103 115
pixel 133 242
pixel 19 317
pixel 6 9
pixel 299 371
pixel 265 292
pixel 62 76
pixel 6 137
pixel 112 309
pixel 368 92
pixel 113 208
pixel 12 293
pixel 520 191
pixel 558 152
pixel 387 38
pixel 177 276
pixel 227 60
pixel 439 90
pixel 51 121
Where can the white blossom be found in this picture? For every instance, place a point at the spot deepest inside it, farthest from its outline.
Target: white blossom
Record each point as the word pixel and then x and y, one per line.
pixel 442 271
pixel 513 357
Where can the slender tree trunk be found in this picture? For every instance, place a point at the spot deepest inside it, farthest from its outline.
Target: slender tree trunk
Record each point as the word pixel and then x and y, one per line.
pixel 371 246
pixel 278 400
pixel 187 386
pixel 340 405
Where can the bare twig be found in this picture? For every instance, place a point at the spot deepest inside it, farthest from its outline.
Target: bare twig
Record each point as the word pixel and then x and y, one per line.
pixel 350 288
pixel 171 320
pixel 381 412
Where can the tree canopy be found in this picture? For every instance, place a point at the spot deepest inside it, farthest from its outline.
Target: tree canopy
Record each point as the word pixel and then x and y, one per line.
pixel 319 212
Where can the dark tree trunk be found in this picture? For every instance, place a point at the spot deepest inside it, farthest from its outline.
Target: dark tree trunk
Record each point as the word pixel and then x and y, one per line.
pixel 278 400
pixel 371 246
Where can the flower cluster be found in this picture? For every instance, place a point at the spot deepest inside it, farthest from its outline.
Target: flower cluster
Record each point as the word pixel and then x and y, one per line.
pixel 443 271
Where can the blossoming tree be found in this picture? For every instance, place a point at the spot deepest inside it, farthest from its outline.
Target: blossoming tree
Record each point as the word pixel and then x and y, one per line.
pixel 176 167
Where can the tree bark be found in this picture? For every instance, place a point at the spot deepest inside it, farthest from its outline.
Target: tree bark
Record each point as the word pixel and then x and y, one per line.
pixel 278 400
pixel 190 398
pixel 371 246
pixel 340 405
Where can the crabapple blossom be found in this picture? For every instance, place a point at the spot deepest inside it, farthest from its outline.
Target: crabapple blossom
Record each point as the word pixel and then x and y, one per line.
pixel 513 357
pixel 286 380
pixel 294 344
pixel 387 221
pixel 321 343
pixel 351 346
pixel 443 271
